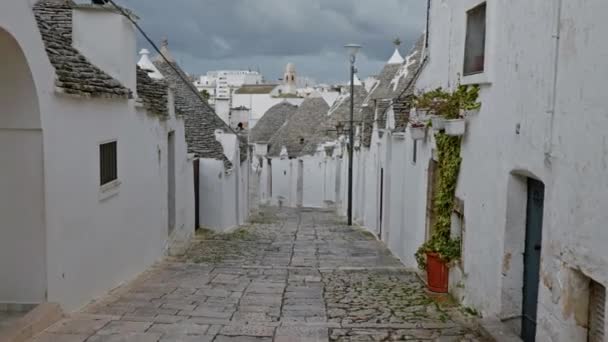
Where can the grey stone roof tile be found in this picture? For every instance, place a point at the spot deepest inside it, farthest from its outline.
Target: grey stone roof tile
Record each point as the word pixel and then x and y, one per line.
pixel 271 122
pixel 153 93
pixel 75 75
pixel 383 89
pixel 200 120
pixel 338 113
pixel 300 128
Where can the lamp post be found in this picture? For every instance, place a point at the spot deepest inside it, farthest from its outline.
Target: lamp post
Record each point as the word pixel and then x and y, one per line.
pixel 352 49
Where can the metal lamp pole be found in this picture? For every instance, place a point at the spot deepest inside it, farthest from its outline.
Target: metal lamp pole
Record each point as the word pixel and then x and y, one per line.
pixel 352 49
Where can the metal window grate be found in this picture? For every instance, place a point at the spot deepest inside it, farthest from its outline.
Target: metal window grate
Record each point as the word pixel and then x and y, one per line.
pixel 597 301
pixel 108 168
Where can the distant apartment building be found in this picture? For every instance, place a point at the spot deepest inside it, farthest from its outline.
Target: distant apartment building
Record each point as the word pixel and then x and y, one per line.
pixel 220 84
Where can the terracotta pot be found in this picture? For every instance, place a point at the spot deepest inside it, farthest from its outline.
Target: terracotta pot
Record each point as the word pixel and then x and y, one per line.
pixel 437 273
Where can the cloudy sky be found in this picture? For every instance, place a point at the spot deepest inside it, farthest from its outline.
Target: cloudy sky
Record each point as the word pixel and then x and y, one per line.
pixel 266 34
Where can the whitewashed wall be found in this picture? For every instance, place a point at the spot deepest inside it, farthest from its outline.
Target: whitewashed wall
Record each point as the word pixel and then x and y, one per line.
pixel 220 196
pixel 259 104
pixel 22 231
pixel 521 133
pixel 284 176
pixel 90 244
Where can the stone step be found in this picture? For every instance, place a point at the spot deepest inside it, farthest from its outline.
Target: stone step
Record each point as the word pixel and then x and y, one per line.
pixel 32 323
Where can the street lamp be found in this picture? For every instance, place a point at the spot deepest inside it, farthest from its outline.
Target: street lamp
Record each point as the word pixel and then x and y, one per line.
pixel 352 49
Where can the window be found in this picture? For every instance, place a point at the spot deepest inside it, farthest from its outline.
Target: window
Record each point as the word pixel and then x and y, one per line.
pixel 108 168
pixel 414 152
pixel 475 44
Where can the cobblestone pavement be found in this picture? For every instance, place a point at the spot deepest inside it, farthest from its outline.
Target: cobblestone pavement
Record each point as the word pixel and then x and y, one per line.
pixel 291 275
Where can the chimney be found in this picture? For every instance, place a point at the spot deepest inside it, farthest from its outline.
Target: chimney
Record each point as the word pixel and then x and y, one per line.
pixel 106 38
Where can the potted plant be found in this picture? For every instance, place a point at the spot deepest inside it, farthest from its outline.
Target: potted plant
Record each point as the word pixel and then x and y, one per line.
pixel 417 130
pixel 436 254
pixel 434 257
pixel 455 127
pixel 461 101
pixel 438 122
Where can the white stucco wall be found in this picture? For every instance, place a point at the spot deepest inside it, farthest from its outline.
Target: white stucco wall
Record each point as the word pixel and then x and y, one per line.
pixel 259 104
pixel 108 40
pixel 133 223
pixel 224 202
pixel 284 176
pixel 22 233
pixel 523 134
pixel 89 244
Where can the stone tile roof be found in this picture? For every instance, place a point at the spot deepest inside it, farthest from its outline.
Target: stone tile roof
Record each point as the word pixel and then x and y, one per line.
pixel 200 120
pixel 382 107
pixel 256 89
pixel 408 73
pixel 383 89
pixel 297 132
pixel 338 113
pixel 405 92
pixel 75 75
pixel 367 119
pixel 153 93
pixel 271 122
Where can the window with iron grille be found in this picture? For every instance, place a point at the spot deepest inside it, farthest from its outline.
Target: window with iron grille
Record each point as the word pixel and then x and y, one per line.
pixel 475 44
pixel 108 166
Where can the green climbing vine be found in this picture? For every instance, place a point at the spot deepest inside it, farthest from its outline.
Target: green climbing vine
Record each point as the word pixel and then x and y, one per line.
pixel 441 241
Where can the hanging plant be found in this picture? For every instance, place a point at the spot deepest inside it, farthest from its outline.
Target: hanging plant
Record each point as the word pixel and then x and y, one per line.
pixel 441 242
pixel 450 105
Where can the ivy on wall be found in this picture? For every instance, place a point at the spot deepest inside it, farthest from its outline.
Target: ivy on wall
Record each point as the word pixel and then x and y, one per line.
pixel 441 241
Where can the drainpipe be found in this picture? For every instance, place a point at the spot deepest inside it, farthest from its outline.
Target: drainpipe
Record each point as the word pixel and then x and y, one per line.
pixel 428 15
pixel 553 102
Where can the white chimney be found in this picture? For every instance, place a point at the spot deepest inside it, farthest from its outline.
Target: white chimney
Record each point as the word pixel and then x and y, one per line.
pixel 107 39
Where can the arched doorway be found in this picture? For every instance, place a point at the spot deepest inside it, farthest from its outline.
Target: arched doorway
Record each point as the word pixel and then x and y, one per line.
pixel 22 233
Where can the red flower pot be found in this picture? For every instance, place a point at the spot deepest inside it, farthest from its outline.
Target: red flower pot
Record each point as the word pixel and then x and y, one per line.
pixel 437 273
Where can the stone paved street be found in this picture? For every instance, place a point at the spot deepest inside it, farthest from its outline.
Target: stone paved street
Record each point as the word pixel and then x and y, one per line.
pixel 289 276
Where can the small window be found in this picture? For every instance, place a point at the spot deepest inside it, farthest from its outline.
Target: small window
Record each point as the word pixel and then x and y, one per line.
pixel 415 152
pixel 108 168
pixel 475 44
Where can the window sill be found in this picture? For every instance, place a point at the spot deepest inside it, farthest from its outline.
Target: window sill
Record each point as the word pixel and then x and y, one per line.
pixel 481 79
pixel 109 190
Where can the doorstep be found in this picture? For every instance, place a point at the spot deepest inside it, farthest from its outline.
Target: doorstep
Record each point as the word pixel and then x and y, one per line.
pixel 32 323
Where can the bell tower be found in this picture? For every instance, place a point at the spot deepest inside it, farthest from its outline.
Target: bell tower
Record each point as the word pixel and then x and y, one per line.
pixel 290 79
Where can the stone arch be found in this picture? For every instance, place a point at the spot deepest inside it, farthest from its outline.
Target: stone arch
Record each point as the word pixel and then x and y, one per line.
pixel 22 232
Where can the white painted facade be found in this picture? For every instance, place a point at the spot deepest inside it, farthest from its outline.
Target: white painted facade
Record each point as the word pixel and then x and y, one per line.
pixel 540 106
pixel 542 117
pixel 61 238
pixel 258 104
pixel 223 196
pixel 221 84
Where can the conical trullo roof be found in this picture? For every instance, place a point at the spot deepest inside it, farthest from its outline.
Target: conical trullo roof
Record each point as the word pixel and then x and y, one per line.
pixel 339 113
pixel 298 130
pixel 271 122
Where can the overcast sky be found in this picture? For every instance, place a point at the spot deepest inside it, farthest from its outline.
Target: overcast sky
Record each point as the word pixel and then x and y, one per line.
pixel 266 34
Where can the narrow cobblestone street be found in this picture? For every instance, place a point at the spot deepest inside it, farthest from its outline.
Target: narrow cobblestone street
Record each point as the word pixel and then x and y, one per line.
pixel 291 275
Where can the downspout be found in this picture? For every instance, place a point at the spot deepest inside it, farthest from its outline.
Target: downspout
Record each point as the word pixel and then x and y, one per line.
pixel 553 99
pixel 428 15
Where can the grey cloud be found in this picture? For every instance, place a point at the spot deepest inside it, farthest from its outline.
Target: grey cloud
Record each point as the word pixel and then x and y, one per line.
pixel 210 34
